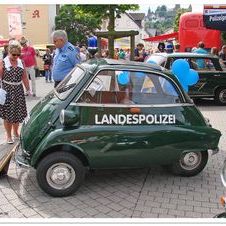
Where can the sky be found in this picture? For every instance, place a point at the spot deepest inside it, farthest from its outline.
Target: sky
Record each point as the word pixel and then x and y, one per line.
pixel 152 3
pixel 153 7
pixel 197 5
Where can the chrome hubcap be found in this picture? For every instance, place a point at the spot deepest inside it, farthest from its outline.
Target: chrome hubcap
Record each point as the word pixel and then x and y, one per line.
pixel 60 176
pixel 222 96
pixel 191 160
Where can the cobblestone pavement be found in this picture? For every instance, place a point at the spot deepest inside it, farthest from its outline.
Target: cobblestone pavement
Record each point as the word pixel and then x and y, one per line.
pixel 137 193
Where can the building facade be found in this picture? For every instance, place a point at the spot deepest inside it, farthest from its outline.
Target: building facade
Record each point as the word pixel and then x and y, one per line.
pixel 127 22
pixel 35 22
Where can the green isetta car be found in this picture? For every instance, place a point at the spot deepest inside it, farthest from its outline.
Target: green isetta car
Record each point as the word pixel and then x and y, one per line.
pixel 109 114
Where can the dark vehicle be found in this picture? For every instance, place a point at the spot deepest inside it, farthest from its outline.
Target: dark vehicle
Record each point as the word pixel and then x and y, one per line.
pixel 211 70
pixel 109 114
pixel 223 198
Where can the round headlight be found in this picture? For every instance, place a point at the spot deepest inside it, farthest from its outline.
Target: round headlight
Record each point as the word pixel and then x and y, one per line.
pixel 223 174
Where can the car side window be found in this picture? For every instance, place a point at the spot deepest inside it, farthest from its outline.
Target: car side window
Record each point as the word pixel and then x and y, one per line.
pixel 129 87
pixel 204 64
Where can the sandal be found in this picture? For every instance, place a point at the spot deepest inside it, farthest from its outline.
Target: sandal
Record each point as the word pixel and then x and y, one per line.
pixel 10 141
pixel 15 138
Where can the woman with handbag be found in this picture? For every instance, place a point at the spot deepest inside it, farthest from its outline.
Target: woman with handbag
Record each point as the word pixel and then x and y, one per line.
pixel 47 58
pixel 13 74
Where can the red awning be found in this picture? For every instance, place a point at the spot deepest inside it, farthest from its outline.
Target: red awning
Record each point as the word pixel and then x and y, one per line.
pixel 162 37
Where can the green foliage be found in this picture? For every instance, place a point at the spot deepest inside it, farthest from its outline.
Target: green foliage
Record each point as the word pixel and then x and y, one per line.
pixel 177 18
pixel 78 24
pixel 223 36
pixel 103 10
pixel 169 18
pixel 79 21
pixel 161 11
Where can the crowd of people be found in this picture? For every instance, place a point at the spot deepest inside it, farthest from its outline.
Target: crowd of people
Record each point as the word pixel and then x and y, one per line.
pixel 19 65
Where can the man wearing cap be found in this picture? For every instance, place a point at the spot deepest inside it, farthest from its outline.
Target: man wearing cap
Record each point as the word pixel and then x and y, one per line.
pixel 28 57
pixel 66 56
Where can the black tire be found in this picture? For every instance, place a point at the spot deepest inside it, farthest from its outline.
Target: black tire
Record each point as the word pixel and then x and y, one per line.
pixel 190 164
pixel 220 96
pixel 67 171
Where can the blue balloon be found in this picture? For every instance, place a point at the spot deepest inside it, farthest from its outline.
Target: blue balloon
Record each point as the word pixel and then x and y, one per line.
pixel 192 77
pixel 185 87
pixel 180 67
pixel 184 74
pixel 123 78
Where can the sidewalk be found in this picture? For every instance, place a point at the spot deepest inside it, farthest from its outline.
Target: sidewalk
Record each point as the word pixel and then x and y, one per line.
pixel 42 89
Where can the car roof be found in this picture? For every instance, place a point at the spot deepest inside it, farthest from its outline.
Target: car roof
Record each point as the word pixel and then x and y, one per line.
pixel 185 54
pixel 104 63
pixel 111 62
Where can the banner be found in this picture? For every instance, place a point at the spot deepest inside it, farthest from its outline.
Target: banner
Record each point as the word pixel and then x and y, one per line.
pixel 214 17
pixel 14 22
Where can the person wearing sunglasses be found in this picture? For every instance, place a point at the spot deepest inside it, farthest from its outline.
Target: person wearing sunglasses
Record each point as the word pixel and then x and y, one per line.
pixel 13 76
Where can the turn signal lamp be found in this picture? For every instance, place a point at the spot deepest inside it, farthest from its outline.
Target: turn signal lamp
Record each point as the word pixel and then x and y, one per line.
pixel 223 200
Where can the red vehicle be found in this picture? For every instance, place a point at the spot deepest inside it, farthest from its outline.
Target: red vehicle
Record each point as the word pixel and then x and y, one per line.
pixel 192 31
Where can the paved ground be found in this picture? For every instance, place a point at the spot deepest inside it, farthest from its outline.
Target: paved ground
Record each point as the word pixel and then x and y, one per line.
pixel 140 193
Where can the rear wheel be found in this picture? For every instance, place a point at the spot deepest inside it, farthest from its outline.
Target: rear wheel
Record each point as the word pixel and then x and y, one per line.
pixel 60 174
pixel 190 163
pixel 220 96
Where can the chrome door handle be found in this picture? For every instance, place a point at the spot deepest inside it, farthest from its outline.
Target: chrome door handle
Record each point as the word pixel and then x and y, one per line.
pixel 216 75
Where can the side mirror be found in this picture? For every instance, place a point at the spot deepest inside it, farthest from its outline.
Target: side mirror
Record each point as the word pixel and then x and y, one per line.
pixel 68 118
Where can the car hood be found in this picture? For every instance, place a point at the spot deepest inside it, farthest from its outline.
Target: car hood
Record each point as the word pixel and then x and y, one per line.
pixel 40 120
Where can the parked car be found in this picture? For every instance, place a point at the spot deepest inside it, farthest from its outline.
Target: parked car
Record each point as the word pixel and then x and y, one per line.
pixel 211 70
pixel 114 114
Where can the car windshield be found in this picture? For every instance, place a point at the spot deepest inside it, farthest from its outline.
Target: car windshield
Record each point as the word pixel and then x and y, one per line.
pixel 64 89
pixel 158 59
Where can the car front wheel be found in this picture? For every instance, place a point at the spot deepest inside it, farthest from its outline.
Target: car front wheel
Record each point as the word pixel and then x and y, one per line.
pixel 60 174
pixel 220 96
pixel 190 163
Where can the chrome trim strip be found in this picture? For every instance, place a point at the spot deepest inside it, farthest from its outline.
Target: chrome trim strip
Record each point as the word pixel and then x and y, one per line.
pixel 222 174
pixel 20 163
pixel 130 105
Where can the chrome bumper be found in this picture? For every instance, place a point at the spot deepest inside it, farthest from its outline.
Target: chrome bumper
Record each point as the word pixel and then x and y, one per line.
pixel 20 157
pixel 215 151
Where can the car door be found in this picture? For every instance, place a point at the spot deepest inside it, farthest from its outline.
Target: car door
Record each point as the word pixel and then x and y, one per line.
pixel 129 119
pixel 211 77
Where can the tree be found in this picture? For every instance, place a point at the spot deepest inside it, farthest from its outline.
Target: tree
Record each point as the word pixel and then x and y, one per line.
pixel 161 11
pixel 177 18
pixel 110 12
pixel 223 36
pixel 77 23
